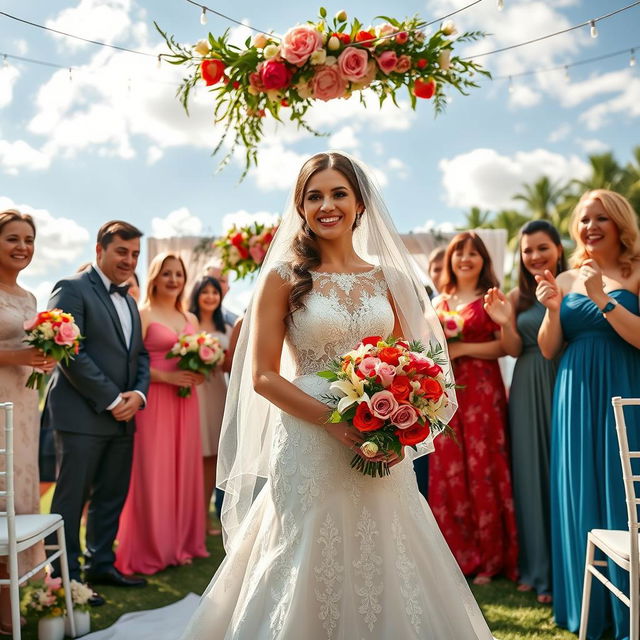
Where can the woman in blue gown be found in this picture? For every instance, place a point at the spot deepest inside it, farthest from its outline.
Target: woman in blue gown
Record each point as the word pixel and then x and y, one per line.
pixel 592 312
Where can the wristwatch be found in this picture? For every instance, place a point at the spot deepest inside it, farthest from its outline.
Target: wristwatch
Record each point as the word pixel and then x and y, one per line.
pixel 610 306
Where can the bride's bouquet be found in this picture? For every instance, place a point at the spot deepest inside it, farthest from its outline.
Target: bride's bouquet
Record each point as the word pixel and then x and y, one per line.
pixel 393 392
pixel 57 335
pixel 452 324
pixel 198 353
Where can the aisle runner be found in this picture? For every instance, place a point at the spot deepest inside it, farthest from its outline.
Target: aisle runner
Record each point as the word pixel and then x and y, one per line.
pixel 166 623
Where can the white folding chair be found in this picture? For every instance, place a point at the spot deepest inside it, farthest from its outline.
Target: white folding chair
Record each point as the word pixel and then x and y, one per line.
pixel 19 532
pixel 619 546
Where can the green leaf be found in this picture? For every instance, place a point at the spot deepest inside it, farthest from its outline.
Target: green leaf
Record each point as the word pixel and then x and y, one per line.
pixel 328 375
pixel 323 12
pixel 335 417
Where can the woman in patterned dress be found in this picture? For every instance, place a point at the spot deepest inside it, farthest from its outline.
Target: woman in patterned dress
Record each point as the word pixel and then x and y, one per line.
pixel 469 477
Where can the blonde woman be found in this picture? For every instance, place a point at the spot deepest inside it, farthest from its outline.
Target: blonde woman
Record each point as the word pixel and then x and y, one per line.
pixel 162 522
pixel 592 313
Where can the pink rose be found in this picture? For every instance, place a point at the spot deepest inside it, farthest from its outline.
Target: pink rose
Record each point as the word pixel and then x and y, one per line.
pixel 404 417
pixel 30 324
pixel 327 83
pixel 352 63
pixel 386 30
pixel 258 253
pixel 207 354
pixel 299 43
pixel 387 61
pixel 52 583
pixel 383 404
pixel 368 366
pixel 404 64
pixel 386 372
pixel 66 334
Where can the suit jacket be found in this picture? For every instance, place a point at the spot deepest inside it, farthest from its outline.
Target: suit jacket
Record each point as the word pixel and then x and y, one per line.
pixel 81 391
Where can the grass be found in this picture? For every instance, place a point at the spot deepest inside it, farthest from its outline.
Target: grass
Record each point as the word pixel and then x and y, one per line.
pixel 511 615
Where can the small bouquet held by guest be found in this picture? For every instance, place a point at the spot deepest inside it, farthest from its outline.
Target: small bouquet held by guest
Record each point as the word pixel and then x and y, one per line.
pixel 198 353
pixel 57 335
pixel 393 392
pixel 452 323
pixel 45 598
pixel 243 248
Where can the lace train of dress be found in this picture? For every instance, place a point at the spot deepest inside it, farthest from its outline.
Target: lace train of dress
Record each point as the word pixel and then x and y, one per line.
pixel 325 552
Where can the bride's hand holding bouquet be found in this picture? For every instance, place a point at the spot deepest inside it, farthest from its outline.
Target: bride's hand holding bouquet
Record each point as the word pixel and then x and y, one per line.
pixel 392 394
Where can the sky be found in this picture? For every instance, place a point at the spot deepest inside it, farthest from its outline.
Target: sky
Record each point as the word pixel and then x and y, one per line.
pixel 110 140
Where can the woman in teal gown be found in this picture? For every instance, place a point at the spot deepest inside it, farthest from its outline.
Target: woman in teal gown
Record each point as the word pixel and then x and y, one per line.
pixel 530 397
pixel 593 309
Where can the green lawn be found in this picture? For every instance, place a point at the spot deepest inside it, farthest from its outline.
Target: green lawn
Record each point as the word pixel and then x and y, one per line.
pixel 511 615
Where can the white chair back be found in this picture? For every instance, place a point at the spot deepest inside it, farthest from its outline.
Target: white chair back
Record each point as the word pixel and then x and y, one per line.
pixel 6 474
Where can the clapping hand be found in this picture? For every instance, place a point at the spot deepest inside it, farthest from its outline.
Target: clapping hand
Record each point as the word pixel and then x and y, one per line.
pixel 591 275
pixel 548 291
pixel 497 305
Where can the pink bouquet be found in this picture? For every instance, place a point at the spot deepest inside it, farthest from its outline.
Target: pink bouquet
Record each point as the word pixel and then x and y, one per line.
pixel 243 248
pixel 452 324
pixel 199 353
pixel 56 334
pixel 393 392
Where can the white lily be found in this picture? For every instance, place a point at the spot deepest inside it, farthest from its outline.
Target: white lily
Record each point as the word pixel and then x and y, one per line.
pixel 352 393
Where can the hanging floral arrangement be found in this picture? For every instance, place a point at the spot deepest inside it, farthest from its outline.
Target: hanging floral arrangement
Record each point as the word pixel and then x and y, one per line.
pixel 242 248
pixel 324 60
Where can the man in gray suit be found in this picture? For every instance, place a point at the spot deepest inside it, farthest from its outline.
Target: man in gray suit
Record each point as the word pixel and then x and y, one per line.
pixel 93 399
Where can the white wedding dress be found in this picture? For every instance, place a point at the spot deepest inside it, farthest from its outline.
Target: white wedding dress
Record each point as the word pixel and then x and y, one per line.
pixel 326 552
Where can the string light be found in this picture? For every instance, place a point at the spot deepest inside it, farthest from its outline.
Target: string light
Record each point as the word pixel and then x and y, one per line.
pixel 567 77
pixel 5 62
pixel 594 29
pixel 511 89
pixel 500 5
pixel 203 16
pixel 632 58
pixel 159 63
pixel 70 75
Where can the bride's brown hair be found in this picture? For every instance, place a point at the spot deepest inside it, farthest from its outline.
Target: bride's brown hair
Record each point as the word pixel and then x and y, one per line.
pixel 306 253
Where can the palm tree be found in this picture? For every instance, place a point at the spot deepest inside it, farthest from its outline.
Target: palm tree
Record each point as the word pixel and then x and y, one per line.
pixel 512 221
pixel 632 191
pixel 606 173
pixel 476 218
pixel 541 198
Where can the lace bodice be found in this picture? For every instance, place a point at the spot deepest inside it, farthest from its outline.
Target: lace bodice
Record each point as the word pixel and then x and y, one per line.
pixel 341 310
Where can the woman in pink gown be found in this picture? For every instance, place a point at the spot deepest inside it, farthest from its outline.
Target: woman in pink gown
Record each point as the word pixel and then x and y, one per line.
pixel 162 522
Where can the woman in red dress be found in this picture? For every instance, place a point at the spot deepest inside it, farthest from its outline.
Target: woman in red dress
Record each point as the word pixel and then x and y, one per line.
pixel 469 479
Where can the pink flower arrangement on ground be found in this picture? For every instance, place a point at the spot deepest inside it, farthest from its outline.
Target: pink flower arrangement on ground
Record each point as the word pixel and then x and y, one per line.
pixel 199 353
pixel 244 248
pixel 393 392
pixel 44 597
pixel 56 334
pixel 321 60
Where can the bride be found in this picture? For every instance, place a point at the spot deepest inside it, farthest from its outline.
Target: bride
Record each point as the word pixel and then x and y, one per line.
pixel 317 550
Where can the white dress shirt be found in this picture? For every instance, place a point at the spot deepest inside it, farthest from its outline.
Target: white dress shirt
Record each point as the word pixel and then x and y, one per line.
pixel 126 322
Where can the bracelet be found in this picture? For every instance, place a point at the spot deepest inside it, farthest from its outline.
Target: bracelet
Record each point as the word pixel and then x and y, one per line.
pixel 610 306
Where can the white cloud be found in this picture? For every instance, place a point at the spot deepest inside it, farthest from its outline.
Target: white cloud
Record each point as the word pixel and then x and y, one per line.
pixel 102 20
pixel 593 145
pixel 8 76
pixel 59 240
pixel 19 154
pixel 277 167
pixel 625 105
pixel 522 95
pixel 242 217
pixel 345 138
pixel 433 225
pixel 399 166
pixel 560 133
pixel 486 179
pixel 180 222
pixel 596 85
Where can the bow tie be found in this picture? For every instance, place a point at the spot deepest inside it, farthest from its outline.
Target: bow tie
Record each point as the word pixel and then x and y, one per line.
pixel 121 289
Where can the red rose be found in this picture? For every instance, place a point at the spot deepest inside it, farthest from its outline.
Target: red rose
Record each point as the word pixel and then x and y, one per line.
pixel 364 37
pixel 402 37
pixel 364 420
pixel 373 340
pixel 275 75
pixel 237 240
pixel 390 355
pixel 244 252
pixel 413 435
pixel 424 88
pixel 424 366
pixel 401 388
pixel 422 63
pixel 431 388
pixel 211 71
pixel 268 237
